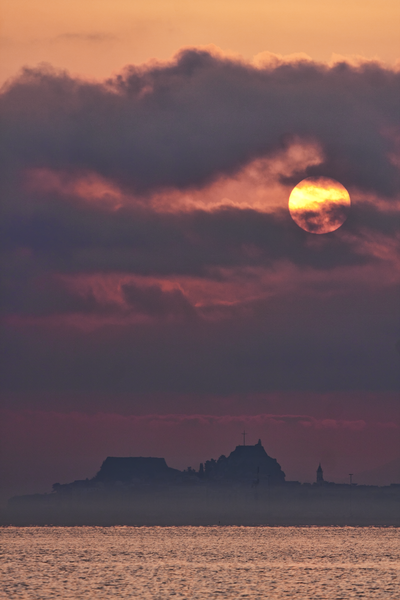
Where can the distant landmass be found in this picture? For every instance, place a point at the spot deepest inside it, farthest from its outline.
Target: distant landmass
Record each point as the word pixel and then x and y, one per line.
pixel 381 475
pixel 248 487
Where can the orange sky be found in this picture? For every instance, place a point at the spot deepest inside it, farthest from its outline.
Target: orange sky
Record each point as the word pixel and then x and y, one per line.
pixel 96 37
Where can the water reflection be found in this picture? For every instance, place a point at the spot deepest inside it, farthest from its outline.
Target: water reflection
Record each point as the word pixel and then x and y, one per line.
pixel 200 562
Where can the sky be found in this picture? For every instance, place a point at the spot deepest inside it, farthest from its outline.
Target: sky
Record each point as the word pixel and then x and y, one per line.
pixel 157 297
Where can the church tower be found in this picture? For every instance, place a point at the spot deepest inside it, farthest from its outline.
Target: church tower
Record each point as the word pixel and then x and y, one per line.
pixel 320 475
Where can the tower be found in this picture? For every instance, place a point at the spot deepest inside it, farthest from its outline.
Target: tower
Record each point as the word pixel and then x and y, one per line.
pixel 320 475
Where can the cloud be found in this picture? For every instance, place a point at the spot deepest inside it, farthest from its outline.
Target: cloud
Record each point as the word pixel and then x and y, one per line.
pixel 290 341
pixel 154 301
pixel 184 123
pixel 72 238
pixel 86 37
pixel 327 218
pixel 43 295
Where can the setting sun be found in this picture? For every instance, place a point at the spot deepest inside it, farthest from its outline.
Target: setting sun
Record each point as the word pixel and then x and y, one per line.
pixel 319 204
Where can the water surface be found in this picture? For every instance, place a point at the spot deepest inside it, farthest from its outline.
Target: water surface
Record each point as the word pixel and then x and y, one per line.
pixel 200 563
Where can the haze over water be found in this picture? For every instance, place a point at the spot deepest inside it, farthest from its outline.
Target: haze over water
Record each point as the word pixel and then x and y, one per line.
pixel 200 562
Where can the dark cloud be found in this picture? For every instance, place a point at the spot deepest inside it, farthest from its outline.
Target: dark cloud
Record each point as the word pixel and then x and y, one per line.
pixel 71 238
pixel 292 341
pixel 43 295
pixel 33 294
pixel 155 302
pixel 61 236
pixel 328 218
pixel 184 123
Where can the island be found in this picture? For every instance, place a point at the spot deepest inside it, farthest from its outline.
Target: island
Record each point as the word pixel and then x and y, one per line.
pixel 248 487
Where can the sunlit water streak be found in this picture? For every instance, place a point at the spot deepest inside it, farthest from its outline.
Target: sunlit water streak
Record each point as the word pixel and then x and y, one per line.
pixel 200 562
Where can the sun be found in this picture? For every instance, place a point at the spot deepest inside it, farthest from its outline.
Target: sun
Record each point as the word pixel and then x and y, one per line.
pixel 319 204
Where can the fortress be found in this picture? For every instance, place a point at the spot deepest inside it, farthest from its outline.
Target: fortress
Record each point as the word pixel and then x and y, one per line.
pixel 246 464
pixel 247 487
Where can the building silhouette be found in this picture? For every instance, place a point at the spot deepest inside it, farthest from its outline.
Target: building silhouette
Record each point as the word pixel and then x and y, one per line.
pixel 245 464
pixel 139 468
pixel 245 488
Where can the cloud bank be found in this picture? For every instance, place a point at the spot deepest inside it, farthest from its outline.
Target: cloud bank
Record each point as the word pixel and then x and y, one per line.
pixel 184 123
pixel 111 282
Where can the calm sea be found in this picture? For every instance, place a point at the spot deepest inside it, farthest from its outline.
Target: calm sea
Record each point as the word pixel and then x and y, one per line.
pixel 200 562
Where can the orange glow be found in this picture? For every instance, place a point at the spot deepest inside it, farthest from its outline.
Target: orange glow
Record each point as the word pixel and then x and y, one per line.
pixel 90 186
pixel 256 186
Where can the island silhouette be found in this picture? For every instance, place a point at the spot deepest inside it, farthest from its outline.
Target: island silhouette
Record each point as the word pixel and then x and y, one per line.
pixel 247 487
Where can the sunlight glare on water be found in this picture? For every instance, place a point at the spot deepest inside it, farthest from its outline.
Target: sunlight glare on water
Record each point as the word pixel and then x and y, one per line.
pixel 200 562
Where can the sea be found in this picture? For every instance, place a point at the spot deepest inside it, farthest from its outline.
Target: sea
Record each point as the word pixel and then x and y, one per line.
pixel 163 563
